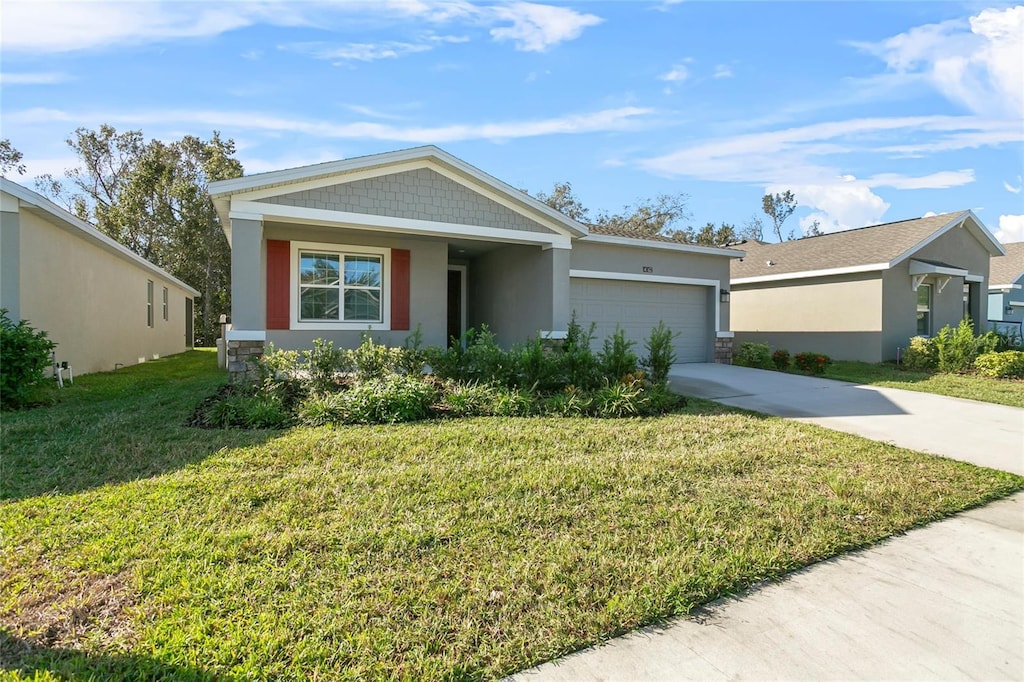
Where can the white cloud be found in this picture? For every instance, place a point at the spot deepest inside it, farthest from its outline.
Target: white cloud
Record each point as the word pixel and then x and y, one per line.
pixel 229 122
pixel 49 26
pixel 722 71
pixel 33 78
pixel 536 27
pixel 929 214
pixel 1014 189
pixel 978 63
pixel 363 52
pixel 841 205
pixel 677 74
pixel 1011 229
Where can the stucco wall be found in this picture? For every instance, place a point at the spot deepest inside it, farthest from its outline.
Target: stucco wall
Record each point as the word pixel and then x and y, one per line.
pixel 998 302
pixel 859 346
pixel 422 194
pixel 91 302
pixel 518 291
pixel 846 303
pixel 428 286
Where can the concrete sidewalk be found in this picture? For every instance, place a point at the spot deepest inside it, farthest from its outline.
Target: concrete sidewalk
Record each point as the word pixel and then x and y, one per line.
pixel 981 433
pixel 942 602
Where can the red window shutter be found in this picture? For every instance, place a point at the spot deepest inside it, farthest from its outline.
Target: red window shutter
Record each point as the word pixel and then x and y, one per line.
pixel 400 288
pixel 278 284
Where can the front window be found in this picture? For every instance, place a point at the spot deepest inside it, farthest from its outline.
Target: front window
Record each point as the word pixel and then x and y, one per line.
pixel 340 287
pixel 924 310
pixel 166 311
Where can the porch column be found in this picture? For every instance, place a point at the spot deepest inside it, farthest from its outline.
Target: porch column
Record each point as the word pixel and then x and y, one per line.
pixel 246 339
pixel 561 308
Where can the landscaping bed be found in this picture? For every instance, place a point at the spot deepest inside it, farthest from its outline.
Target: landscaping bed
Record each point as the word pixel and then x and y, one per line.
pixel 138 547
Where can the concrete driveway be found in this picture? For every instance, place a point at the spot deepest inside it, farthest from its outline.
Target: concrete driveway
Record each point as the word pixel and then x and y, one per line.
pixel 980 433
pixel 941 602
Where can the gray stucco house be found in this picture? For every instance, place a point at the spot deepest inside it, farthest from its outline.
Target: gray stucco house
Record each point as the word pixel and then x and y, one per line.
pixel 420 239
pixel 1006 289
pixel 863 293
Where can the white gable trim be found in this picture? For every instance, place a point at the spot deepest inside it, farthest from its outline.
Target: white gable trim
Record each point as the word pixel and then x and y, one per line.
pixel 369 221
pixel 781 277
pixel 320 175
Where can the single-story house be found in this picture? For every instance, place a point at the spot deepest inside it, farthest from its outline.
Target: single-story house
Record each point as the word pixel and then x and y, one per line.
pixel 418 239
pixel 102 304
pixel 1006 289
pixel 863 293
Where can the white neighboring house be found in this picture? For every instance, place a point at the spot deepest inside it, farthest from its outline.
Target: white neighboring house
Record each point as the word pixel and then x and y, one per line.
pixel 103 305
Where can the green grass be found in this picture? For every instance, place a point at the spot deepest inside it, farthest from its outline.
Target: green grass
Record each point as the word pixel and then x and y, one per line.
pixel 135 547
pixel 970 386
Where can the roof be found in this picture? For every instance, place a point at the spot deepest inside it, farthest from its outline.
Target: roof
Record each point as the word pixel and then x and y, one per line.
pixel 603 234
pixel 1008 269
pixel 38 203
pixel 878 247
pixel 222 190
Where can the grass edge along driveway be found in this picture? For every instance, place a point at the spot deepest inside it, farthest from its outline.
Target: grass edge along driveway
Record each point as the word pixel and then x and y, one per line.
pixel 135 546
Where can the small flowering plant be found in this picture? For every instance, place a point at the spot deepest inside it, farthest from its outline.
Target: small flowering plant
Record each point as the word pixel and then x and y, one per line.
pixel 781 359
pixel 812 363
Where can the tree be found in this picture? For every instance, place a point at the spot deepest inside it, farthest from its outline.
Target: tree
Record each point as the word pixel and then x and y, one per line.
pixel 152 197
pixel 709 235
pixel 563 200
pixel 648 217
pixel 814 230
pixel 778 207
pixel 10 158
pixel 753 229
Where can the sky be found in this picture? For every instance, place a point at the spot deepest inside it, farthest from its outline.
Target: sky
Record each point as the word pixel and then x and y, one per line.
pixel 869 112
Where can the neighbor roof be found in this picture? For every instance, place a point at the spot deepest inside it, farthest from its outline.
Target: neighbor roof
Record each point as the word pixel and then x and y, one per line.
pixel 877 247
pixel 1008 269
pixel 625 237
pixel 39 204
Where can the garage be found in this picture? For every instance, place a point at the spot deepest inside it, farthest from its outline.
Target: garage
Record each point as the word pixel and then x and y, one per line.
pixel 637 307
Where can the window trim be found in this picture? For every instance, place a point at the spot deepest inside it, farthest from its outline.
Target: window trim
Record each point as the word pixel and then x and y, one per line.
pixel 342 250
pixel 149 302
pixel 166 304
pixel 928 312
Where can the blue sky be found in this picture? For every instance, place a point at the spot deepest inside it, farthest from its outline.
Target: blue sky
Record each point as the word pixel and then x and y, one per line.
pixel 868 111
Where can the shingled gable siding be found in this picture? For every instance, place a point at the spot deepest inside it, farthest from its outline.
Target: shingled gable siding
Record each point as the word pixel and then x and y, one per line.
pixel 422 194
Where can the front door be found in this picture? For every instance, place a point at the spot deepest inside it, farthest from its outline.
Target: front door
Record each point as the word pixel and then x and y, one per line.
pixel 456 304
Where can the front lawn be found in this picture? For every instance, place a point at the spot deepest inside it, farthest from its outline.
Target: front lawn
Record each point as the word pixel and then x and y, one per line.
pixel 970 386
pixel 137 547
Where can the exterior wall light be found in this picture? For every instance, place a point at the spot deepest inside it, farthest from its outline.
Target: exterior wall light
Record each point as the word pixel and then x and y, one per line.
pixel 723 295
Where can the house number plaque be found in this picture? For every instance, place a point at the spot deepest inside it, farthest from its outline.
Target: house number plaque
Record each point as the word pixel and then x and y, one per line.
pixel 648 268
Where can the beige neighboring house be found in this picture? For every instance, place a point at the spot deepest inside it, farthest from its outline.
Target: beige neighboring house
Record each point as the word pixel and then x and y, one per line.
pixel 102 304
pixel 863 293
pixel 1006 289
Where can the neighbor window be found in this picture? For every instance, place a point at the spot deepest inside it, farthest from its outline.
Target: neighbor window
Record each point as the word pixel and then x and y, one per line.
pixel 149 303
pixel 165 304
pixel 924 310
pixel 342 287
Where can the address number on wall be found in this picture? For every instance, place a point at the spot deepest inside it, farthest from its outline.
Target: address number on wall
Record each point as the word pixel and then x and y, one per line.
pixel 648 268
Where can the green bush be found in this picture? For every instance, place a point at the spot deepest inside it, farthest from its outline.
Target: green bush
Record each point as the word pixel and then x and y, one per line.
pixel 467 400
pixel 756 355
pixel 921 354
pixel 536 367
pixel 780 359
pixel 660 354
pixel 514 402
pixel 248 409
pixel 325 363
pixel 956 348
pixel 1008 364
pixel 812 363
pixel 579 365
pixel 387 400
pixel 25 355
pixel 622 399
pixel 570 402
pixel 617 359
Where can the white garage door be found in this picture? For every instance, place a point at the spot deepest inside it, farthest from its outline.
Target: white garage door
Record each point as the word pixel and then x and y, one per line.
pixel 638 306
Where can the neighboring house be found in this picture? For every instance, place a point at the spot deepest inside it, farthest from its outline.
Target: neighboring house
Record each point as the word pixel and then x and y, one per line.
pixel 102 304
pixel 862 294
pixel 1006 288
pixel 418 239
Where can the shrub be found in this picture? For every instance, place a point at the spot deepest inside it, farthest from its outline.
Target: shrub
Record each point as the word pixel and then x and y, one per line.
pixel 579 366
pixel 957 348
pixel 24 358
pixel 247 408
pixel 812 363
pixel 660 353
pixel 757 355
pixel 325 363
pixel 514 402
pixel 921 354
pixel 467 400
pixel 375 360
pixel 535 367
pixel 570 402
pixel 414 357
pixel 780 359
pixel 989 342
pixel 622 399
pixel 1008 364
pixel 617 359
pixel 387 400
